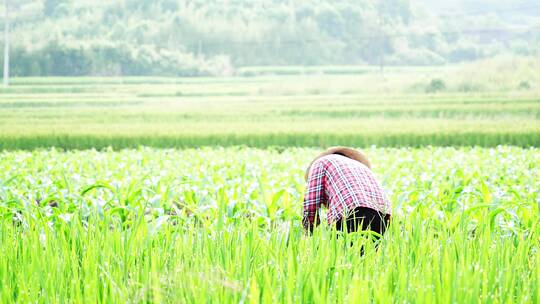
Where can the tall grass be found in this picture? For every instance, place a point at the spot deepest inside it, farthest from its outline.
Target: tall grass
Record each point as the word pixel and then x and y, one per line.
pixel 222 225
pixel 419 261
pixel 99 141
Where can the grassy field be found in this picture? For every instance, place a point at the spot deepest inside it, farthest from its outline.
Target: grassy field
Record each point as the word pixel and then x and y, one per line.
pixel 402 107
pixel 85 220
pixel 223 225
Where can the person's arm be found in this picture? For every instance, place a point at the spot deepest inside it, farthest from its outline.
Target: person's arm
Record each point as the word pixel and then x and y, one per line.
pixel 314 196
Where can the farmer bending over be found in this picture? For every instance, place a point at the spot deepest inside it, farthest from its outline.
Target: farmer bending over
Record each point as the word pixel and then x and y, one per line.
pixel 341 179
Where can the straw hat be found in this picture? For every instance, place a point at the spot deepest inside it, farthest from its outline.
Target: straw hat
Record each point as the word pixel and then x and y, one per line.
pixel 345 151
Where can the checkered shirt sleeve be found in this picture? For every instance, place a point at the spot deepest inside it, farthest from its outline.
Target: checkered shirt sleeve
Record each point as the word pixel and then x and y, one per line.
pixel 314 196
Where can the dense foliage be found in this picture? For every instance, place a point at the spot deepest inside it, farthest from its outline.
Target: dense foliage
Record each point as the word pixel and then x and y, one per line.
pixel 173 37
pixel 223 225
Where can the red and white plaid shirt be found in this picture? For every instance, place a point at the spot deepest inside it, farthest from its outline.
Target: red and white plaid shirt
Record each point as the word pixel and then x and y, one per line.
pixel 341 184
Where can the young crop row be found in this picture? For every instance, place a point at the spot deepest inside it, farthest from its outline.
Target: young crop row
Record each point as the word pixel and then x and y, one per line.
pixel 223 225
pixel 99 140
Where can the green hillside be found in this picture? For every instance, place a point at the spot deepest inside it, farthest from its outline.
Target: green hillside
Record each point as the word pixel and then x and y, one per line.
pixel 186 38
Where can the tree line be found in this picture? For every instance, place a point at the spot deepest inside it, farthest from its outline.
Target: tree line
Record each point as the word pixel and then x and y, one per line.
pixel 201 37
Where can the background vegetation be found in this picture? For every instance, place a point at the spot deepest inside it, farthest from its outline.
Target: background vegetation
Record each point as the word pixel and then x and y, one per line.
pixel 488 103
pixel 185 38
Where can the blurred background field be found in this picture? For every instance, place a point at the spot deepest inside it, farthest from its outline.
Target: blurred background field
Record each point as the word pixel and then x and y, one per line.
pixel 487 103
pixel 170 73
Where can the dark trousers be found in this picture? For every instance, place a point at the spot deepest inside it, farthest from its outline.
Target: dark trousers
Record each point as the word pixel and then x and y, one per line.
pixel 364 219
